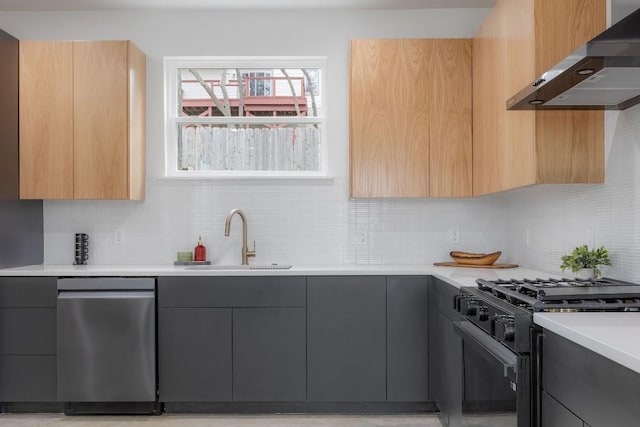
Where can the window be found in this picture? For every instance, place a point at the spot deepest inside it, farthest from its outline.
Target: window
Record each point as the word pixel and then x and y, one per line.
pixel 258 82
pixel 244 116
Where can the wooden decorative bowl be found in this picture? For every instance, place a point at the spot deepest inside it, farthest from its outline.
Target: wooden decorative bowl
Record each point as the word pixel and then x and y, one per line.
pixel 470 258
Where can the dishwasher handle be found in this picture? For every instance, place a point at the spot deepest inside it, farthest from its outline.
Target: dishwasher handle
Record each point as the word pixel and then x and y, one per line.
pixel 107 284
pixel 64 295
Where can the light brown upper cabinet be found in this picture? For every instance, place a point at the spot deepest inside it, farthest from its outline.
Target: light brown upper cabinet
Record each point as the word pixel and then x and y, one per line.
pixel 410 118
pixel 518 41
pixel 82 120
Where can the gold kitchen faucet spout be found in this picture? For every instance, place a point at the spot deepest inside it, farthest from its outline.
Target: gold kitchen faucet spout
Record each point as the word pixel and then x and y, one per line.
pixel 246 253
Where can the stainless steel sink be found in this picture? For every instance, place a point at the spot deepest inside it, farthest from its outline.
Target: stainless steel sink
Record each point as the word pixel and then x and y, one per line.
pixel 240 267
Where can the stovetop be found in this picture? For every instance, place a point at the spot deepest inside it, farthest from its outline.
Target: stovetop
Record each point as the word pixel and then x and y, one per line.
pixel 566 294
pixel 504 308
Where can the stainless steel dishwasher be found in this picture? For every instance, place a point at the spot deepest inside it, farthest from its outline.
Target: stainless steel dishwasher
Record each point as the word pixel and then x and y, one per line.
pixel 107 345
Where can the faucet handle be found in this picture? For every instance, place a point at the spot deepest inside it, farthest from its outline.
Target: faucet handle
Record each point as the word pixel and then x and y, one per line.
pixel 252 252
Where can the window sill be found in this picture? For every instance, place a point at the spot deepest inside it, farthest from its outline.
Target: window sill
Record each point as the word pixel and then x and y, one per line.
pixel 250 176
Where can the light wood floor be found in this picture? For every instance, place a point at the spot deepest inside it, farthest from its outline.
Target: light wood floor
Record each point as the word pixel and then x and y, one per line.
pixel 55 420
pixel 173 420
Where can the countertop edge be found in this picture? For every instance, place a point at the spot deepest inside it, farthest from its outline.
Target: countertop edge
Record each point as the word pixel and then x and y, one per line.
pixel 598 332
pixel 455 276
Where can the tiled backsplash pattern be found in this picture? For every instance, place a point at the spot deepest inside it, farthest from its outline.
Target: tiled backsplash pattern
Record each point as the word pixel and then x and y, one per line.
pixel 557 218
pixel 291 222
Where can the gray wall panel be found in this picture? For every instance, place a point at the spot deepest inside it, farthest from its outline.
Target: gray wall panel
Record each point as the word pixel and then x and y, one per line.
pixel 21 233
pixel 21 228
pixel 9 125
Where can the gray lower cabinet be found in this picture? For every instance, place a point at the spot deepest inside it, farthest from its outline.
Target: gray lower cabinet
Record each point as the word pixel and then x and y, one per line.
pixel 445 376
pixel 346 338
pixel 269 354
pixel 407 338
pixel 28 339
pixel 596 390
pixel 554 414
pixel 240 339
pixel 194 354
pixel 313 339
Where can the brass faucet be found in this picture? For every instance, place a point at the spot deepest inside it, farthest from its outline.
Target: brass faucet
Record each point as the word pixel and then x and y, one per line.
pixel 246 253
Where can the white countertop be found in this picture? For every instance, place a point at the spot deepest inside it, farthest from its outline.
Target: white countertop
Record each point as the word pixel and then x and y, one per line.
pixel 612 335
pixel 455 276
pixel 608 334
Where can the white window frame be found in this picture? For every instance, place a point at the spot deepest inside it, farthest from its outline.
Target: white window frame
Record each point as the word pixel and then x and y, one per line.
pixel 171 66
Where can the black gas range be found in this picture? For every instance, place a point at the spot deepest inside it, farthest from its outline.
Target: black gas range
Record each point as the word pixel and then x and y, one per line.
pixel 497 317
pixel 504 308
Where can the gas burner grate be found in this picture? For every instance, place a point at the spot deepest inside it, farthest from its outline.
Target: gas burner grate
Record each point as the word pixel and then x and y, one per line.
pixel 565 294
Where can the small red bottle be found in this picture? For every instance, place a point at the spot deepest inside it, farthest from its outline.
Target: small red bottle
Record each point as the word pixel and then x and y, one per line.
pixel 200 252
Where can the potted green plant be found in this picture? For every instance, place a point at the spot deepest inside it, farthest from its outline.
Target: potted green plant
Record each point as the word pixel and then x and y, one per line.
pixel 584 258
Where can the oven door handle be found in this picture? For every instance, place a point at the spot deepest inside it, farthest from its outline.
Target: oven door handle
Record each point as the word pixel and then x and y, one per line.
pixel 506 357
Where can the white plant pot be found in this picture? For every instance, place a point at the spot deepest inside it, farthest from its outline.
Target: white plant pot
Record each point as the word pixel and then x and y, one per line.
pixel 585 273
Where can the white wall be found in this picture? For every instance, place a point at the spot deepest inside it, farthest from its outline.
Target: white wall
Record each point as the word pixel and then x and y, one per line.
pixel 560 217
pixel 301 222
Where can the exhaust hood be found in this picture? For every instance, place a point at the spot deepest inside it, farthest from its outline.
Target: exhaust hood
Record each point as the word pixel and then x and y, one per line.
pixel 602 74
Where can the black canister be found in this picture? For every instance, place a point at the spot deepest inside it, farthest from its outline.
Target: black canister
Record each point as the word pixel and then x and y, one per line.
pixel 81 249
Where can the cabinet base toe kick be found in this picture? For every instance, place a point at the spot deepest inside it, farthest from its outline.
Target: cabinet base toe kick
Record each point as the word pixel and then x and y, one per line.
pixel 299 407
pixel 110 408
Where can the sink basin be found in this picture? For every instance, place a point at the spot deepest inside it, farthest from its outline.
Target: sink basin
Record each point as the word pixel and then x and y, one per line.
pixel 240 267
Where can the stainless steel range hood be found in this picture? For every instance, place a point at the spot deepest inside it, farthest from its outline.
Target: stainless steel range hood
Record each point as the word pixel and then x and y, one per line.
pixel 602 74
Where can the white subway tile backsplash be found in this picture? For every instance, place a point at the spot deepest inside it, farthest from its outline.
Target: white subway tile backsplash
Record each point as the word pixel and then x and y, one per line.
pixel 291 223
pixel 560 217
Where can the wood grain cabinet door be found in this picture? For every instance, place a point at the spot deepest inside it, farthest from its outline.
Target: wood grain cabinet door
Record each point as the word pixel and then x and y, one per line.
pixel 389 118
pixel 109 120
pixel 82 120
pixel 100 107
pixel 450 159
pixel 516 44
pixel 410 118
pixel 46 120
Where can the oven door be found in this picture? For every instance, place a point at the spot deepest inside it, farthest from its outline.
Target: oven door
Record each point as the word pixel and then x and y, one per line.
pixel 506 385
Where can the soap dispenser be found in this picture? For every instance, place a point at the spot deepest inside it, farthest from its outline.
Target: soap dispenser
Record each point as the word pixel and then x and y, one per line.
pixel 200 252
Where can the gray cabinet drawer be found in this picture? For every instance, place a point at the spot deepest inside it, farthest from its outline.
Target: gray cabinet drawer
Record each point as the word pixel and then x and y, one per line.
pixel 277 291
pixel 27 378
pixel 556 415
pixel 28 291
pixel 27 331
